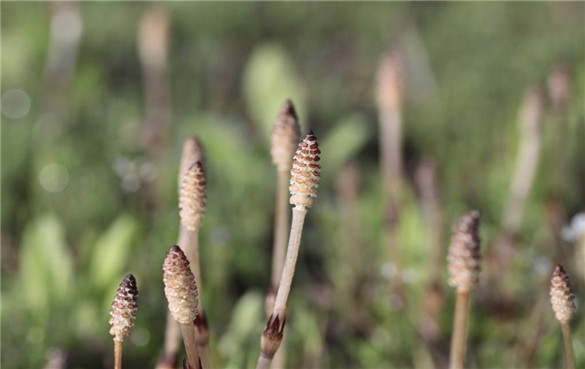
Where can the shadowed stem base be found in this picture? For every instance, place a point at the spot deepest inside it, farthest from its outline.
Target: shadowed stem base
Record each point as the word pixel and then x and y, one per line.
pixel 457 357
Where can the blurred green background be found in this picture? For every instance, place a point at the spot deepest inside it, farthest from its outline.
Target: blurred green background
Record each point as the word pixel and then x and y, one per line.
pixel 89 173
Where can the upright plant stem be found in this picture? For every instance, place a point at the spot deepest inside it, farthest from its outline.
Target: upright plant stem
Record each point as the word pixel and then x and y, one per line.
pixel 188 331
pixel 191 242
pixel 118 354
pixel 292 253
pixel 280 224
pixel 281 221
pixel 275 324
pixel 458 342
pixel 569 355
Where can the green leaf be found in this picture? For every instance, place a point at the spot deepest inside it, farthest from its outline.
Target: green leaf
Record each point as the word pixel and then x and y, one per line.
pixel 111 252
pixel 46 272
pixel 270 79
pixel 344 141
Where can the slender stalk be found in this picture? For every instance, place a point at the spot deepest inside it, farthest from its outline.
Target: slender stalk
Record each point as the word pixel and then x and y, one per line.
pixel 281 221
pixel 569 355
pixel 118 354
pixel 191 247
pixel 296 230
pixel 458 341
pixel 276 325
pixel 305 174
pixel 280 224
pixel 188 331
pixel 172 341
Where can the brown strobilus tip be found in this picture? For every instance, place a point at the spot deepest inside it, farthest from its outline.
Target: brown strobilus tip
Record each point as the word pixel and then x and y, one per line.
pixel 305 172
pixel 123 314
pixel 192 152
pixel 285 136
pixel 562 299
pixel 464 253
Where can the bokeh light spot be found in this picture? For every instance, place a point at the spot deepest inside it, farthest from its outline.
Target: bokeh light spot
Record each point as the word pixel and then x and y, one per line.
pixel 15 104
pixel 54 177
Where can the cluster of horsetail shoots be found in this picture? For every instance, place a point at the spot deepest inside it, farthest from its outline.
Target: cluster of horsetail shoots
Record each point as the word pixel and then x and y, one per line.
pixel 464 267
pixel 284 139
pixel 182 296
pixel 305 175
pixel 123 314
pixel 192 196
pixel 563 304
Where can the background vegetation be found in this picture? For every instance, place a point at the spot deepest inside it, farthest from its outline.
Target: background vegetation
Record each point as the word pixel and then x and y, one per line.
pixel 89 188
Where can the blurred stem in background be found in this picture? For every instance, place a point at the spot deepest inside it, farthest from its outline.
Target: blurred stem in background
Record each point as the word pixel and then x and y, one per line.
pixel 501 255
pixel 389 98
pixel 427 182
pixel 153 49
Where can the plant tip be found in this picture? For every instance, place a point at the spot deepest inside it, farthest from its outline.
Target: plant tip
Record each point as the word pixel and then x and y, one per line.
pixel 562 297
pixel 305 172
pixel 123 312
pixel 192 196
pixel 180 286
pixel 464 253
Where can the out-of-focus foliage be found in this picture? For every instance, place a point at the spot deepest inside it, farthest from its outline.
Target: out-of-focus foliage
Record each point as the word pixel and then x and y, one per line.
pixel 87 199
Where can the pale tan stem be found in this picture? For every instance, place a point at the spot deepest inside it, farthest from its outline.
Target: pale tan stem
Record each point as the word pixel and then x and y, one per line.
pixel 117 354
pixel 292 253
pixel 263 362
pixel 279 247
pixel 294 241
pixel 188 331
pixel 191 247
pixel 281 220
pixel 569 355
pixel 458 341
pixel 279 358
pixel 526 161
pixel 172 340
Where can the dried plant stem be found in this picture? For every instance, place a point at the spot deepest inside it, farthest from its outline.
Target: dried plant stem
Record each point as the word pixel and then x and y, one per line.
pixel 458 341
pixel 188 331
pixel 569 355
pixel 117 354
pixel 296 230
pixel 280 224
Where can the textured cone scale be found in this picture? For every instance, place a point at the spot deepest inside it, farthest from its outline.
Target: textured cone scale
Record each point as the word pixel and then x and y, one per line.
pixel 562 297
pixel 305 172
pixel 124 307
pixel 180 287
pixel 192 152
pixel 192 197
pixel 285 136
pixel 464 257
